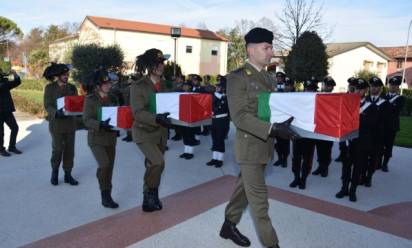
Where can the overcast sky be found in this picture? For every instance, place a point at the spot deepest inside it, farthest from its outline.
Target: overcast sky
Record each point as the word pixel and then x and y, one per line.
pixel 384 23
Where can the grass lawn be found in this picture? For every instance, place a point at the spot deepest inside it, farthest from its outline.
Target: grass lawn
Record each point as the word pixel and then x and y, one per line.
pixel 404 137
pixel 32 95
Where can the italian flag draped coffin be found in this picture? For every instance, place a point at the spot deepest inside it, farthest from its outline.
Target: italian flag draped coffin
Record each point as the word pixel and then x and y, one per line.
pixel 184 108
pixel 324 116
pixel 120 116
pixel 72 105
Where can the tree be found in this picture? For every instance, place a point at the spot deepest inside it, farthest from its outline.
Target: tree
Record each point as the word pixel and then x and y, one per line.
pixel 299 16
pixel 169 70
pixel 87 58
pixel 365 74
pixel 38 60
pixel 8 32
pixel 307 58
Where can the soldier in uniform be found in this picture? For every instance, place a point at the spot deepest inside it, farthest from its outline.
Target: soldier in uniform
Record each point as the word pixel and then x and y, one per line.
pixel 101 137
pixel 324 147
pixel 303 149
pixel 254 141
pixel 395 106
pixel 280 81
pixel 362 148
pixel 6 113
pixel 352 84
pixel 62 128
pixel 220 124
pixel 208 87
pixel 149 130
pixel 282 146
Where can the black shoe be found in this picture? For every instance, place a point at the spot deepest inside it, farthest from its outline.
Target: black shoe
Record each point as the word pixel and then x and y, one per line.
pixel 302 183
pixel 316 172
pixel 278 162
pixel 54 180
pixel 157 200
pixel 186 155
pixel 177 138
pixel 295 182
pixel 69 179
pixel 219 164
pixel 15 150
pixel 229 231
pixel 211 162
pixel 149 202
pixel 128 139
pixel 107 200
pixel 342 193
pixel 368 182
pixel 4 153
pixel 338 159
pixel 385 168
pixel 324 173
pixel 352 196
pixel 284 163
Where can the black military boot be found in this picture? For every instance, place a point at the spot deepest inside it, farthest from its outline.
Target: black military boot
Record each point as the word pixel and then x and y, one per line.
pixel 324 172
pixel 368 181
pixel 343 191
pixel 15 150
pixel 107 200
pixel 352 193
pixel 211 162
pixel 302 182
pixel 69 179
pixel 158 202
pixel 218 164
pixel 295 182
pixel 149 201
pixel 229 231
pixel 318 171
pixel 339 158
pixel 54 180
pixel 278 162
pixel 284 162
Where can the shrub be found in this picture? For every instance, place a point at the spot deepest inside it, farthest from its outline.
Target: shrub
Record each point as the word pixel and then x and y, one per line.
pixel 29 106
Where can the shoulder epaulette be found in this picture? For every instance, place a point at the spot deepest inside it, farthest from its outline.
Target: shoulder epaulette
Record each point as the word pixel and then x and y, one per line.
pixel 238 70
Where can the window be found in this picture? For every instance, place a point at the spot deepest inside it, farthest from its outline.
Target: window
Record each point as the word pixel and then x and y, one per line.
pixel 188 49
pixel 215 51
pixel 399 63
pixel 367 65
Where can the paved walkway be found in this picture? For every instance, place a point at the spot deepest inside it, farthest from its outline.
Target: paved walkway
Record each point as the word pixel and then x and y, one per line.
pixel 194 196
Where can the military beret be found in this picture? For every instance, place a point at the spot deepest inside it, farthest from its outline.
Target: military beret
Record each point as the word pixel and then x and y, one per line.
pixel 375 81
pixel 361 84
pixel 280 74
pixel 259 35
pixel 100 77
pixel 329 81
pixel 396 80
pixel 55 70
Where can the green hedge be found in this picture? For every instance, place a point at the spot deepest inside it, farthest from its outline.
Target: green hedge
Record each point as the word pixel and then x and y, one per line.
pixel 27 104
pixel 33 84
pixel 407 92
pixel 407 109
pixel 404 136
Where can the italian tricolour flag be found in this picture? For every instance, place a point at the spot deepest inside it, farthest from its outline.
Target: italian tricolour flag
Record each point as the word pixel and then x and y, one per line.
pixel 120 116
pixel 334 115
pixel 185 107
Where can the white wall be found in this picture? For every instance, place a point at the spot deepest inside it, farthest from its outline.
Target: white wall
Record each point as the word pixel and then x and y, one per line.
pixel 345 65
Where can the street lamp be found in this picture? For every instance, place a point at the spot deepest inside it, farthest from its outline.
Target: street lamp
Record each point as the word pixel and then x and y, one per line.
pixel 406 55
pixel 175 32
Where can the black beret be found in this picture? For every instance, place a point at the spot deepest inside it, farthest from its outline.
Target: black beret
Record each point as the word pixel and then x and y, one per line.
pixel 396 80
pixel 280 74
pixel 259 35
pixel 362 84
pixel 352 81
pixel 329 81
pixel 375 81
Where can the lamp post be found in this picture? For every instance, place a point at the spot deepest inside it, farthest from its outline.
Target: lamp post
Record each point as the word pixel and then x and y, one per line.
pixel 175 32
pixel 406 55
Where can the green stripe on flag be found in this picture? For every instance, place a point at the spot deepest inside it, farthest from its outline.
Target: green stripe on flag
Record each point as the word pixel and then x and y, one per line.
pixel 152 103
pixel 263 106
pixel 99 114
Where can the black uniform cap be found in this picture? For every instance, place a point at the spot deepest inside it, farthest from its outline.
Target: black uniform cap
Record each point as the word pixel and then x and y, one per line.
pixel 259 35
pixel 361 84
pixel 311 83
pixel 196 77
pixel 280 74
pixel 396 80
pixel 222 82
pixel 329 81
pixel 352 81
pixel 375 81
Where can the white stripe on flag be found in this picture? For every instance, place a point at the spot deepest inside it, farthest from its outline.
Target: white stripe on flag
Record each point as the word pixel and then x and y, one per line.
pixel 110 112
pixel 60 102
pixel 168 102
pixel 299 105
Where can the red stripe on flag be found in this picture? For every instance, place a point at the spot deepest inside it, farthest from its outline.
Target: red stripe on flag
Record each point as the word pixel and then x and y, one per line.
pixel 124 117
pixel 336 115
pixel 195 107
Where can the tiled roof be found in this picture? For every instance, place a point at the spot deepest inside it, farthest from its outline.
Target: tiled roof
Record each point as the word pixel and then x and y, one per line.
pixel 110 23
pixel 397 52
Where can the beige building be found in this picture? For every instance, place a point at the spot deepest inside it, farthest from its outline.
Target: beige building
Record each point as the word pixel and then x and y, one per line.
pixel 345 59
pixel 197 51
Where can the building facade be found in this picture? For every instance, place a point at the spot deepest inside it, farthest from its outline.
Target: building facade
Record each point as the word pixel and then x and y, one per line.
pixel 397 62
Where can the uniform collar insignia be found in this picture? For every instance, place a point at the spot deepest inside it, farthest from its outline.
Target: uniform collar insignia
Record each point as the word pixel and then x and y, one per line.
pixel 248 72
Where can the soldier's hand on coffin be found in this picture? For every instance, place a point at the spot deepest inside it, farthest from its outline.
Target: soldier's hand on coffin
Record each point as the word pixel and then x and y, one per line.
pixel 60 114
pixel 162 120
pixel 283 130
pixel 105 125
